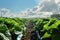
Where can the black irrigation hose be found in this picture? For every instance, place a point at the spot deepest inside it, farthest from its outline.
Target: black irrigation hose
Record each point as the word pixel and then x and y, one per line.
pixel 39 37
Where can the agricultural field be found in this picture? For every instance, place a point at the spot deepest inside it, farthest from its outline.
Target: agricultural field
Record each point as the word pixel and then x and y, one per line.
pixel 40 28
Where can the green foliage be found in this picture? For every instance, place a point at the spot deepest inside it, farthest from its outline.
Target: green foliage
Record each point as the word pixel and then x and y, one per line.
pixel 46 35
pixel 2 20
pixel 39 21
pixel 3 28
pixel 50 26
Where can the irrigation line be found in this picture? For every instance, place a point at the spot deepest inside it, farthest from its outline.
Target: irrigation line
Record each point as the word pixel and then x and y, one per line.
pixel 39 37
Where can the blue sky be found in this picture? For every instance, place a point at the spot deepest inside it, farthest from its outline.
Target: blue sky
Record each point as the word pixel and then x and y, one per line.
pixel 43 8
pixel 18 5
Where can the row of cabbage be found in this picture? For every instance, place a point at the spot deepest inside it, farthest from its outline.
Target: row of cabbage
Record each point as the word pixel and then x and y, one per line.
pixel 49 28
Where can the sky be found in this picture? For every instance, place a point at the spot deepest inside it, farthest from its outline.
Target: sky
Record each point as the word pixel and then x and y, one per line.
pixel 29 8
pixel 18 5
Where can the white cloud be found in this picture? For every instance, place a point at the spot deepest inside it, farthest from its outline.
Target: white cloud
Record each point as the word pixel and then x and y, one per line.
pixel 44 9
pixel 4 12
pixel 48 7
pixel 57 1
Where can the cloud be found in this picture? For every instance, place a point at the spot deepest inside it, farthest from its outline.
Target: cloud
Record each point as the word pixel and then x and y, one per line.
pixel 4 12
pixel 45 8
